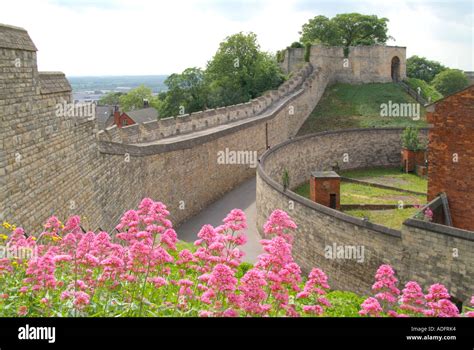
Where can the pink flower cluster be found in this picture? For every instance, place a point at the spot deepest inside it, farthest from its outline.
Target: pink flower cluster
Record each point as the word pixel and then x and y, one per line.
pixel 140 271
pixel 411 302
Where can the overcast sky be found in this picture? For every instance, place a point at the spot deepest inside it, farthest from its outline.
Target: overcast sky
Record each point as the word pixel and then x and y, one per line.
pixel 139 37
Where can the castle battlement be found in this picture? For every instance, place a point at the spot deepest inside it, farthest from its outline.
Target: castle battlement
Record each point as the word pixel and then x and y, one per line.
pixel 203 120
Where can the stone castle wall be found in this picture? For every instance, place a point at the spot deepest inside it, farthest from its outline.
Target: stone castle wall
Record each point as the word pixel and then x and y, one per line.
pixel 418 244
pixel 364 64
pixel 52 164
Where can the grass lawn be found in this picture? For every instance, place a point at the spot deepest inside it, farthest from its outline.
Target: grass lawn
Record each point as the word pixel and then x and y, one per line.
pixel 390 177
pixel 345 106
pixel 392 218
pixel 352 193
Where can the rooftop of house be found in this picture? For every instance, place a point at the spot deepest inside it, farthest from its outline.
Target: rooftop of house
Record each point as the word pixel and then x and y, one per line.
pixel 105 116
pixel 143 115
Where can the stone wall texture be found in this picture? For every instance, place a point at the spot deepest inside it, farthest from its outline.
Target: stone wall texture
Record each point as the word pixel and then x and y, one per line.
pixel 62 165
pixel 59 165
pixel 451 156
pixel 364 64
pixel 421 251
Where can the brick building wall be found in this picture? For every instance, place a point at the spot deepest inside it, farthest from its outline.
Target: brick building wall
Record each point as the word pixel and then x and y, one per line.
pixel 451 155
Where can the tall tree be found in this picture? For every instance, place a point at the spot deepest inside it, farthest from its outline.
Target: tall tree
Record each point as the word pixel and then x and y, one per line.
pixel 111 98
pixel 134 99
pixel 347 29
pixel 187 93
pixel 422 68
pixel 240 71
pixel 449 81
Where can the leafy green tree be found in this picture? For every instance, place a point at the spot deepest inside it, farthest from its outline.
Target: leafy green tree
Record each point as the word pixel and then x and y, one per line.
pixel 348 29
pixel 134 99
pixel 111 98
pixel 422 68
pixel 187 93
pixel 449 81
pixel 239 71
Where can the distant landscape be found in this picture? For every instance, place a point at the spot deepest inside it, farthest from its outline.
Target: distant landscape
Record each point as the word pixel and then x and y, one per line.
pixel 94 87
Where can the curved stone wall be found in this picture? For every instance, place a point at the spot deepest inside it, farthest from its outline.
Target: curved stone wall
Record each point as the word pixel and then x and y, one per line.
pixel 320 227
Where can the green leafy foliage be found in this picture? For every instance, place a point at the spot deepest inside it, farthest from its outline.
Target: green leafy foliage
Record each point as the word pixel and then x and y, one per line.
pixel 427 91
pixel 187 93
pixel 344 304
pixel 423 69
pixel 134 99
pixel 411 140
pixel 111 98
pixel 240 71
pixel 450 81
pixel 348 29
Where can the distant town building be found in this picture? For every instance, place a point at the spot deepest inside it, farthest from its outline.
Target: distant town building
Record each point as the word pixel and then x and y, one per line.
pixel 451 155
pixel 105 116
pixel 137 116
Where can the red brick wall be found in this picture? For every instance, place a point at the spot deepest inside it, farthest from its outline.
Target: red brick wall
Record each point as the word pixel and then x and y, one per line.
pixel 453 133
pixel 120 118
pixel 320 190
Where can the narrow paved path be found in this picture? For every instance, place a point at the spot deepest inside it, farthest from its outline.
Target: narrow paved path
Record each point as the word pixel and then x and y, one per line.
pixel 241 197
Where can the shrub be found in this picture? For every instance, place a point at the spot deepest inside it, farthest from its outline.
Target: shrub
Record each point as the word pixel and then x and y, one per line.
pixel 410 139
pixel 449 81
pixel 428 92
pixel 296 45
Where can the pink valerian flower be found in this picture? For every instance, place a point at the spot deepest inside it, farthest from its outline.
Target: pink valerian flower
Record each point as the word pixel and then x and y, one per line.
pixel 205 313
pixel 280 224
pixel 41 272
pixel 439 303
pixel 442 308
pixel 169 238
pixel 385 284
pixel 412 298
pixel 222 279
pixel 185 289
pixel 184 257
pixel 235 220
pixel 207 235
pixel 230 313
pixel 73 225
pixel 313 291
pixel 22 310
pixel 428 214
pixel 81 299
pixel 277 254
pixel 157 281
pixel 371 307
pixel 437 292
pixel 252 292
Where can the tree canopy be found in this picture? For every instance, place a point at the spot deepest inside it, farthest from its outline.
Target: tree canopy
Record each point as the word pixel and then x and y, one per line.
pixel 187 93
pixel 111 98
pixel 449 81
pixel 422 68
pixel 240 71
pixel 347 29
pixel 134 99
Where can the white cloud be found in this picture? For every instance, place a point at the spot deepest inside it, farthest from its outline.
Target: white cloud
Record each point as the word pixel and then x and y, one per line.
pixel 90 37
